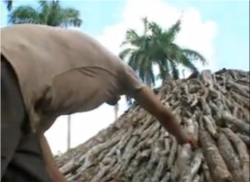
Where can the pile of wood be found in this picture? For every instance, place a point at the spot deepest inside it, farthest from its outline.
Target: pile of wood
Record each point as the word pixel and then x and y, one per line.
pixel 214 108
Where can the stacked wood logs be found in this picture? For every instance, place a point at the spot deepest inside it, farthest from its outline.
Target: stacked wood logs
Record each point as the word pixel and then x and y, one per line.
pixel 214 108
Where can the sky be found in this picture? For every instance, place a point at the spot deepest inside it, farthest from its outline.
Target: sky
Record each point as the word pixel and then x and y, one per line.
pixel 217 29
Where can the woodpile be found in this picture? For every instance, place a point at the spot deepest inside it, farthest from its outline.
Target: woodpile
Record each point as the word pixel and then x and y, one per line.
pixel 214 108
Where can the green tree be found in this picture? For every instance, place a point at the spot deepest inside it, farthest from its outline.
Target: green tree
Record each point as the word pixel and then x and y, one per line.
pixel 169 54
pixel 156 46
pixel 9 4
pixel 139 53
pixel 48 13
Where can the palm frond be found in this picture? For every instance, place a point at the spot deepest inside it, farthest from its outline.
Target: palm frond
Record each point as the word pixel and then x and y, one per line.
pixel 187 63
pixel 24 14
pixel 145 25
pixel 44 9
pixel 171 33
pixel 174 70
pixel 131 38
pixel 194 55
pixel 136 59
pixel 156 47
pixel 9 4
pixel 151 74
pixel 48 13
pixel 163 68
pixel 55 14
pixel 43 3
pixel 71 17
pixel 155 28
pixel 126 52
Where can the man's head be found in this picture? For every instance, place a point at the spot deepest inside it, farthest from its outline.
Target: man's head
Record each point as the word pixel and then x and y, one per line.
pixel 113 101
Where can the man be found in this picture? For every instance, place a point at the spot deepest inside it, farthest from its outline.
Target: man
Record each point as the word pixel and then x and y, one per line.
pixel 49 72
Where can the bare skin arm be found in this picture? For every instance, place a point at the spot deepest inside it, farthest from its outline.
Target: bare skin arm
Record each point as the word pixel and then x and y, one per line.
pixel 53 171
pixel 51 168
pixel 147 100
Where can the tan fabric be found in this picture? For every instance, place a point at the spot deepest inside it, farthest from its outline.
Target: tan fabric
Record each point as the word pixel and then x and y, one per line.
pixel 63 71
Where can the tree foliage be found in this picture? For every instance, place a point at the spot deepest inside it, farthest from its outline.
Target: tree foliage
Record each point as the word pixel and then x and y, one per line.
pixel 9 4
pixel 48 13
pixel 156 46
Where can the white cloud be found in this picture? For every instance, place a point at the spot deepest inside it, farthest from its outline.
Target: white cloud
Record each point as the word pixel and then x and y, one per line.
pixel 196 33
pixel 83 126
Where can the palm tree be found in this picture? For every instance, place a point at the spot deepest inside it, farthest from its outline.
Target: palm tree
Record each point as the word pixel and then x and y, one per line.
pixel 69 132
pixel 48 13
pixel 116 109
pixel 9 4
pixel 156 47
pixel 140 53
pixel 172 55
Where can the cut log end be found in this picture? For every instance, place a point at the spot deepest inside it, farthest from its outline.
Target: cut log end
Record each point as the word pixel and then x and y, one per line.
pixel 212 107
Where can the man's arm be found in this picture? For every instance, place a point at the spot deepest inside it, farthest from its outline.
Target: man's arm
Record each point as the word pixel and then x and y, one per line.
pixel 147 100
pixel 51 168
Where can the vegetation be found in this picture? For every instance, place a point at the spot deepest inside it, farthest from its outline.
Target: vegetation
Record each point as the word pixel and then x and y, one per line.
pixel 157 47
pixel 214 108
pixel 48 13
pixel 9 4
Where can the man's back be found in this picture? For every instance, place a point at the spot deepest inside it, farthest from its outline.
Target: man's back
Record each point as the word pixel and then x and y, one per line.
pixel 61 72
pixel 64 69
pixel 49 45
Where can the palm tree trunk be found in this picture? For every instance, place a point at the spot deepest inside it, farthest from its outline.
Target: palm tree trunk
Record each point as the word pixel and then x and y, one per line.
pixel 183 73
pixel 9 4
pixel 69 133
pixel 116 108
pixel 148 81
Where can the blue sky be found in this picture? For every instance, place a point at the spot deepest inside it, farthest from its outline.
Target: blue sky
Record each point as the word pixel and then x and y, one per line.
pixel 219 29
pixel 232 17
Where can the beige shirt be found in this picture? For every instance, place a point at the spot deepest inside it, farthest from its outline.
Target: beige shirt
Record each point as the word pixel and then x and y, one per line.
pixel 63 71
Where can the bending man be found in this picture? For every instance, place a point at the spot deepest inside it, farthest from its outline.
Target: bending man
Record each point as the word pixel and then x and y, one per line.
pixel 48 72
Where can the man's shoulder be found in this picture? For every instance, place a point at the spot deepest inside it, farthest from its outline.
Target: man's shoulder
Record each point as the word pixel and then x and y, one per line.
pixel 131 80
pixel 25 28
pixel 129 72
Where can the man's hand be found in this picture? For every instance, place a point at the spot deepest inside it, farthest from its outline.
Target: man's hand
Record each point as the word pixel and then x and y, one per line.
pixel 147 100
pixel 190 140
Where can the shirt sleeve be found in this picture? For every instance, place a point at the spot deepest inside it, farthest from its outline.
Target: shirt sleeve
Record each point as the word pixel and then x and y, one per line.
pixel 131 82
